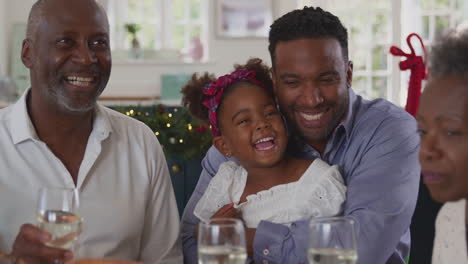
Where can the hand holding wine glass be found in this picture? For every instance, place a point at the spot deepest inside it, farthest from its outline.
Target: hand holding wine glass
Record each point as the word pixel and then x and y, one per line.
pixel 54 237
pixel 57 213
pixel 332 240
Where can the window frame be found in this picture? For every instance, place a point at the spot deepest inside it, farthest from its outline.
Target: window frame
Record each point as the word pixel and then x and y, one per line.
pixel 163 24
pixel 402 24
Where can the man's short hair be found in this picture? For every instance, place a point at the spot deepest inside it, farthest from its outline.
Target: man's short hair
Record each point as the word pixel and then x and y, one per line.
pixel 449 54
pixel 308 22
pixel 36 14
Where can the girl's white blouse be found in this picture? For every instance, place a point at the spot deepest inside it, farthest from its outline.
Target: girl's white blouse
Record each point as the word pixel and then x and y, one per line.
pixel 319 192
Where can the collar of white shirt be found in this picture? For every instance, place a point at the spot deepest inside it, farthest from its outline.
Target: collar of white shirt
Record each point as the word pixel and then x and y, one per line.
pixel 22 128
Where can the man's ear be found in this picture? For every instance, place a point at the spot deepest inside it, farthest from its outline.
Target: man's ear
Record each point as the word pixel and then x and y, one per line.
pixel 220 143
pixel 26 53
pixel 349 74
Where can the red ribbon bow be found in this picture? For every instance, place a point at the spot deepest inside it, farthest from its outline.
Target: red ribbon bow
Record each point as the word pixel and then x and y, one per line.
pixel 214 90
pixel 418 72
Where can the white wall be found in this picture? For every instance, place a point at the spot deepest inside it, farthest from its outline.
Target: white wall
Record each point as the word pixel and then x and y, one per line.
pixel 142 78
pixel 3 38
pixel 15 12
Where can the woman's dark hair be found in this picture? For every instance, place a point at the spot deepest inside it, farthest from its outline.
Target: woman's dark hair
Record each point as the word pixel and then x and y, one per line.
pixel 193 96
pixel 449 54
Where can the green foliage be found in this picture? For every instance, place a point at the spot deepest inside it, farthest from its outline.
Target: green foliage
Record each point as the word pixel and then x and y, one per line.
pixel 181 135
pixel 132 28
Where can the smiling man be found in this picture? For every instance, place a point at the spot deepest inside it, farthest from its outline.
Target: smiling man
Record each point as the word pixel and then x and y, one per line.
pixel 374 144
pixel 56 135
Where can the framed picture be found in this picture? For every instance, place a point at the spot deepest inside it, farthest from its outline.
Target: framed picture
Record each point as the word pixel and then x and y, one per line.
pixel 243 18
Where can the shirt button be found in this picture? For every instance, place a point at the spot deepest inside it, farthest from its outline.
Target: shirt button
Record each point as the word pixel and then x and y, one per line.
pixel 266 252
pixel 265 261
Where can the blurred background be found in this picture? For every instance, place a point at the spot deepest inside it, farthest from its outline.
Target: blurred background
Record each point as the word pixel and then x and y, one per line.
pixel 157 44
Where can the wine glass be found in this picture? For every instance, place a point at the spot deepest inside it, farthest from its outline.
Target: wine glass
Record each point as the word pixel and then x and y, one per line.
pixel 57 213
pixel 221 241
pixel 332 240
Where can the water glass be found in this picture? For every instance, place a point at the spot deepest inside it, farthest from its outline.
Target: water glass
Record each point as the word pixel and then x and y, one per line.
pixel 57 213
pixel 332 240
pixel 222 241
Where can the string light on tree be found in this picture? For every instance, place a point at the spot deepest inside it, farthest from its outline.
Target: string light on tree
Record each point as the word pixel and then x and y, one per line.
pixel 172 140
pixel 180 135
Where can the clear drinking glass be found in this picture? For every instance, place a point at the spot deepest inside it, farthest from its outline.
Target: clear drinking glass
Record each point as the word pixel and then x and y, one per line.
pixel 332 240
pixel 221 241
pixel 57 213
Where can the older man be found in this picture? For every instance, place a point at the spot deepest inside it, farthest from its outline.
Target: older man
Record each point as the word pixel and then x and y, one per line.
pixel 57 136
pixel 374 143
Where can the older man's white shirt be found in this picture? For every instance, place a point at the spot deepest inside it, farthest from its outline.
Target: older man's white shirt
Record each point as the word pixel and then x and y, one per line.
pixel 127 201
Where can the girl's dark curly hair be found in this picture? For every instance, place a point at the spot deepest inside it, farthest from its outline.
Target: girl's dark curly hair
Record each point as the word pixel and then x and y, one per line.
pixel 193 95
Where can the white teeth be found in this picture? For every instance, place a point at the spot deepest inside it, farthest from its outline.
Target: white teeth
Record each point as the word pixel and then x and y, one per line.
pixel 311 117
pixel 264 140
pixel 80 79
pixel 82 84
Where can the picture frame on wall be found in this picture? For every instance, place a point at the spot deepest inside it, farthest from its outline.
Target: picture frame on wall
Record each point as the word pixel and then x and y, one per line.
pixel 243 18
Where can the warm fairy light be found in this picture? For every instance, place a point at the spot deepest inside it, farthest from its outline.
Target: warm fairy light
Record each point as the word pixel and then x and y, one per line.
pixel 127 113
pixel 132 112
pixel 181 141
pixel 146 114
pixel 175 110
pixel 189 127
pixel 169 115
pixel 168 125
pixel 156 133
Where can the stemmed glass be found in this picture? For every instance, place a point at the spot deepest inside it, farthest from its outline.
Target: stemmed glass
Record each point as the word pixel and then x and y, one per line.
pixel 222 241
pixel 57 213
pixel 332 240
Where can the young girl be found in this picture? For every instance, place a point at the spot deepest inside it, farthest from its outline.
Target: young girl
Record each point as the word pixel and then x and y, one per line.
pixel 265 183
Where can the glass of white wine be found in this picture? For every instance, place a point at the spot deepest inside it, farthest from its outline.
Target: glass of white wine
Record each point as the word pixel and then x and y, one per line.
pixel 332 240
pixel 57 213
pixel 222 241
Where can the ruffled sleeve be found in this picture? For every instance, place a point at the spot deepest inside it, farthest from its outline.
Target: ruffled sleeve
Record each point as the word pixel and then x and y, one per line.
pixel 224 188
pixel 322 192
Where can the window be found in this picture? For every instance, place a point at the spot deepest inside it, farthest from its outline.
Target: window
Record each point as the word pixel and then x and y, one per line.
pixel 168 25
pixel 373 26
pixel 438 15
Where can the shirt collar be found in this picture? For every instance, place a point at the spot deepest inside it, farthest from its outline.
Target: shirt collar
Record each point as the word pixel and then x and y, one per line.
pixel 21 126
pixel 348 122
pixel 23 129
pixel 102 127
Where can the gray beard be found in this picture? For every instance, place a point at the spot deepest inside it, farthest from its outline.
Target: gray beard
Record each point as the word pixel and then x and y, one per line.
pixel 60 98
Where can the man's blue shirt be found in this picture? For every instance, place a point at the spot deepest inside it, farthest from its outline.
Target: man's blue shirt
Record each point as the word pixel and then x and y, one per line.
pixel 376 149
